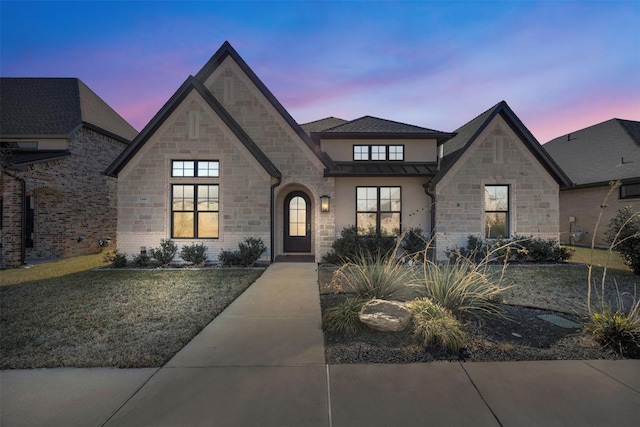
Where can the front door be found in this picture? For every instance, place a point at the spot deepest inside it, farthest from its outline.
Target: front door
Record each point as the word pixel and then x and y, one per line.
pixel 297 222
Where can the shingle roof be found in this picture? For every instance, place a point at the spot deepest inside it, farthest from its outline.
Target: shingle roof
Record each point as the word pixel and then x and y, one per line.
pixel 374 125
pixel 55 107
pixel 468 133
pixel 322 124
pixel 600 153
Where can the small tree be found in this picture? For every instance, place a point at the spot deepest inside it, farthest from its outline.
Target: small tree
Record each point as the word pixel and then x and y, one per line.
pixel 623 235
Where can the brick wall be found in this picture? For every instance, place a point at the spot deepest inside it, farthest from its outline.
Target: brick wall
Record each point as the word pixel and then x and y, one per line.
pixel 11 235
pixel 584 204
pixel 73 199
pixel 497 157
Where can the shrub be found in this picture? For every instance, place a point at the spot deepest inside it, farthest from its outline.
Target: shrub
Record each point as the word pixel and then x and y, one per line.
pixel 624 236
pixel 435 325
pixel 464 288
pixel 343 318
pixel 164 255
pixel 519 249
pixel 194 254
pixel 116 259
pixel 380 278
pixel 616 329
pixel 351 246
pixel 142 260
pixel 415 243
pixel 247 254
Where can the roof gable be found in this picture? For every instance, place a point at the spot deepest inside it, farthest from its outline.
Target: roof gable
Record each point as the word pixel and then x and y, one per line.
pixel 187 87
pixel 226 50
pixel 55 107
pixel 467 134
pixel 600 153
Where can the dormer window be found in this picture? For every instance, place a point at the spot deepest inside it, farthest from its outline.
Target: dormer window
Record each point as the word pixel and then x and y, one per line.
pixel 378 153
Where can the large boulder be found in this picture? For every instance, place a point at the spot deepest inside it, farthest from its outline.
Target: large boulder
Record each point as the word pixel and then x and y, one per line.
pixel 386 316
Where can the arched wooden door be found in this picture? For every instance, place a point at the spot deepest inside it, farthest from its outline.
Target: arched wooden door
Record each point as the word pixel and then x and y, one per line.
pixel 297 222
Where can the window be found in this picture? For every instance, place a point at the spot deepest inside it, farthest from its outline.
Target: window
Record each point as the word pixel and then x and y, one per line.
pixel 195 168
pixel 360 152
pixel 194 211
pixel 396 152
pixel 496 211
pixel 297 217
pixel 378 152
pixel 630 191
pixel 378 210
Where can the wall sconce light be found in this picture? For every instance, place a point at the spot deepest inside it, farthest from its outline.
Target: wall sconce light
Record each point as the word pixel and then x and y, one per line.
pixel 324 203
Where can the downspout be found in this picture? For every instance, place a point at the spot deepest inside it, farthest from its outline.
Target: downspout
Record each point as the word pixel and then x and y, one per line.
pixel 23 222
pixel 273 215
pixel 430 191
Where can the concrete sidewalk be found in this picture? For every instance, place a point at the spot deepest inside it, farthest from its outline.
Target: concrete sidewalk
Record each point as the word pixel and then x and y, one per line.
pixel 261 362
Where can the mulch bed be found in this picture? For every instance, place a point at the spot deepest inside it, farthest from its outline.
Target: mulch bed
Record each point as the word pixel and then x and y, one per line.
pixel 521 335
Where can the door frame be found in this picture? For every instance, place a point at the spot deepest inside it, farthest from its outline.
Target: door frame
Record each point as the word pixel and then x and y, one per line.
pixel 304 243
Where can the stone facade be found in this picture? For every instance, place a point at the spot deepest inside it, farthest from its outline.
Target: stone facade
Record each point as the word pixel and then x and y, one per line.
pixel 498 157
pixel 73 204
pixel 583 204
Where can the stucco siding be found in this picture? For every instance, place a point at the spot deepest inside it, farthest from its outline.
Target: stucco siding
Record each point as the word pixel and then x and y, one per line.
pixel 497 157
pixel 415 150
pixel 415 202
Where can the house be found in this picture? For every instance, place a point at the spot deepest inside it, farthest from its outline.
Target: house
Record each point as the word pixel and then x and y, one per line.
pixel 223 160
pixel 57 138
pixel 593 157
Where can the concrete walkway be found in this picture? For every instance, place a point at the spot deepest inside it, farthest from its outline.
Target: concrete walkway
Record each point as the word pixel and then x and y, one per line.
pixel 261 363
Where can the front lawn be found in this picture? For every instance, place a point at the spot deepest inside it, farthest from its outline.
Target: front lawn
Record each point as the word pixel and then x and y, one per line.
pixel 126 319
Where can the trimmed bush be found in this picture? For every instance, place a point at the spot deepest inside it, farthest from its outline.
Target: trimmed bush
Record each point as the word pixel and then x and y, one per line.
pixel 116 259
pixel 435 325
pixel 247 254
pixel 165 253
pixel 142 260
pixel 194 254
pixel 517 249
pixel 343 318
pixel 350 246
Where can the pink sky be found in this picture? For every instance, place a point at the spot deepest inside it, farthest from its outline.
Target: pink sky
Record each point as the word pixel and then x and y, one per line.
pixel 561 66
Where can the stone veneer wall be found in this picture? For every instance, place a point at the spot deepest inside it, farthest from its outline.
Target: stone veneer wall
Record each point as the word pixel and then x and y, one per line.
pixel 144 185
pixel 496 158
pixel 584 204
pixel 288 152
pixel 72 199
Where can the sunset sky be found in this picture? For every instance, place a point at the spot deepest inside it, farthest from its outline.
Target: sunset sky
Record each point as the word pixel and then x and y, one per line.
pixel 560 65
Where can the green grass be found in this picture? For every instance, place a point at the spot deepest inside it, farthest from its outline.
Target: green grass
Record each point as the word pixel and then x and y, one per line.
pixel 121 318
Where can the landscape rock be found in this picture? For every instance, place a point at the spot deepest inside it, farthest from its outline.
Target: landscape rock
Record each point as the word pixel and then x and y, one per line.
pixel 386 316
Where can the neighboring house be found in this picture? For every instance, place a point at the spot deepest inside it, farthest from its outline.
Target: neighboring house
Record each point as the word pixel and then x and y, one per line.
pixel 592 158
pixel 57 138
pixel 223 161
